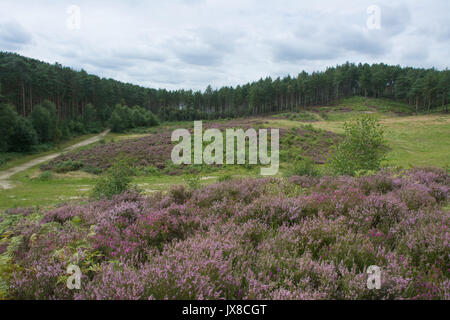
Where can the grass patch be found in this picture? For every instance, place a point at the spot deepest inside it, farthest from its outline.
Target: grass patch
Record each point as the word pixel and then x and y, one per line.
pixel 414 140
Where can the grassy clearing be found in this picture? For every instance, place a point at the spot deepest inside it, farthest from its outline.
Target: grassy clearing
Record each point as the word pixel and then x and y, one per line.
pixel 414 140
pixel 30 191
pixel 299 116
pixel 371 104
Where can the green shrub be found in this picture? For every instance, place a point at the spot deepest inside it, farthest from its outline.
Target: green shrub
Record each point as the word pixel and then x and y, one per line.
pixel 8 117
pixel 68 166
pixel 226 177
pixel 304 167
pixel 43 147
pixel 5 157
pixel 149 171
pixel 115 181
pixel 124 118
pixel 92 170
pixel 45 121
pixel 45 176
pixel 363 148
pixel 193 182
pixel 24 137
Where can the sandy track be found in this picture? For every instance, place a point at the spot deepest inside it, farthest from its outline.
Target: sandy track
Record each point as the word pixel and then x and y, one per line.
pixel 5 175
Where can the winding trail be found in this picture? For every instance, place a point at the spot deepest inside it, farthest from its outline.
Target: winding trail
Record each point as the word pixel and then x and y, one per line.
pixel 5 175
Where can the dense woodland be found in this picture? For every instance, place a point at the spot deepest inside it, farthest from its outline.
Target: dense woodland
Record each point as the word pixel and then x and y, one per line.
pixel 78 102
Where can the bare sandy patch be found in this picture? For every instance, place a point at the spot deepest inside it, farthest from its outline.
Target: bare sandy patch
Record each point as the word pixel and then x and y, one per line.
pixel 208 178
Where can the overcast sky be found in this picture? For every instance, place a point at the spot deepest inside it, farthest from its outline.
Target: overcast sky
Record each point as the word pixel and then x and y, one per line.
pixel 192 43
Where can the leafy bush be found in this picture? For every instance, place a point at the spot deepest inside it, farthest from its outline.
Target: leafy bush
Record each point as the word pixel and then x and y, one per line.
pixel 68 166
pixel 303 168
pixel 76 127
pixel 45 176
pixel 8 117
pixel 120 119
pixel 43 147
pixel 363 148
pixel 92 170
pixel 193 182
pixel 5 157
pixel 225 177
pixel 24 136
pixel 45 122
pixel 149 171
pixel 124 118
pixel 16 132
pixel 90 123
pixel 115 181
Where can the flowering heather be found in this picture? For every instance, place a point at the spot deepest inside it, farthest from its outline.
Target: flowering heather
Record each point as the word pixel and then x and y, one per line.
pixel 155 149
pixel 296 238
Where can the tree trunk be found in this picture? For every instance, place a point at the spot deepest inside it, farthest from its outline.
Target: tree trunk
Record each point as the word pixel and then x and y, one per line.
pixel 417 105
pixel 23 100
pixel 31 99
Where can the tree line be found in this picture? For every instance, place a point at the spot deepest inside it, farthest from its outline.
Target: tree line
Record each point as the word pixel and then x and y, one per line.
pixel 28 82
pixel 42 128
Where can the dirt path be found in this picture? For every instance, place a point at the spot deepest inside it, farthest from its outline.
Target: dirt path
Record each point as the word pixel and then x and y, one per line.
pixel 5 175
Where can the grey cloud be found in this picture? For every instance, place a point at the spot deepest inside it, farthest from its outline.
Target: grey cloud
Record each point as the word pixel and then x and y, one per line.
pixel 293 52
pixel 200 57
pixel 416 55
pixel 204 46
pixel 113 59
pixel 159 75
pixel 142 55
pixel 332 36
pixel 394 19
pixel 443 33
pixel 13 36
pixel 219 40
pixel 371 43
pixel 106 62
